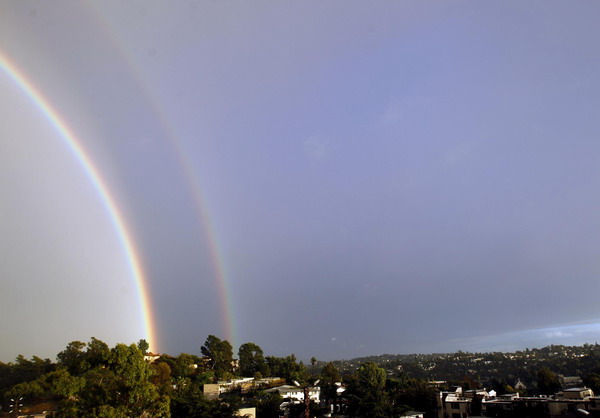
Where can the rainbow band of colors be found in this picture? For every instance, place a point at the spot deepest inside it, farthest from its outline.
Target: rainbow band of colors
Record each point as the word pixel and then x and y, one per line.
pixel 117 219
pixel 106 26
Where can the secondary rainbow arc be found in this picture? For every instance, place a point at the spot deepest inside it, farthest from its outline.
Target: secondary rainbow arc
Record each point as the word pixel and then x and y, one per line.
pixel 117 219
pixel 222 279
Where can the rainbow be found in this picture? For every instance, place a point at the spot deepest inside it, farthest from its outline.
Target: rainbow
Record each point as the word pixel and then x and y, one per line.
pixel 194 185
pixel 221 277
pixel 27 87
pixel 226 304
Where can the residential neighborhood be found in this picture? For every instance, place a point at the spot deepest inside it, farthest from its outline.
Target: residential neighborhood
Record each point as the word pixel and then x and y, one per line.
pixel 93 379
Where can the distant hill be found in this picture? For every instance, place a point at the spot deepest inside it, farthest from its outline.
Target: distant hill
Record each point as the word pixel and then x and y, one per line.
pixel 487 368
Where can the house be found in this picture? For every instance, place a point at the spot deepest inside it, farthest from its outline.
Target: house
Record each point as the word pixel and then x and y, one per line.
pixel 452 404
pixel 520 385
pixel 567 382
pixel 296 393
pixel 243 384
pixel 246 412
pixel 42 415
pixel 151 357
pixel 413 414
pixel 576 393
pixel 211 390
pixel 270 381
pixel 570 402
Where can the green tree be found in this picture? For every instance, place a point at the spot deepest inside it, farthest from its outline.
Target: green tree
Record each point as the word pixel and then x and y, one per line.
pixel 252 360
pixel 134 389
pixel 23 370
pixel 547 381
pixel 287 368
pixel 65 385
pixel 108 411
pixel 183 365
pixel 119 386
pixel 406 393
pixel 267 404
pixel 143 346
pixel 72 357
pixel 26 390
pixel 161 377
pixel 367 392
pixel 220 356
pixel 97 353
pixel 191 404
pixel 330 375
pixel 592 380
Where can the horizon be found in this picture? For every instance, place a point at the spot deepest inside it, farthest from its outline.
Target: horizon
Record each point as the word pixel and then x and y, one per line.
pixel 306 361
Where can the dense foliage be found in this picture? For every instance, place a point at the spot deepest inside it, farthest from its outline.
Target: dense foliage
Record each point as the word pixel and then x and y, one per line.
pixel 94 380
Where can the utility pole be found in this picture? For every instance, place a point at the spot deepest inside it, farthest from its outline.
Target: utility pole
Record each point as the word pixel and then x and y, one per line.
pixel 15 406
pixel 306 388
pixel 306 403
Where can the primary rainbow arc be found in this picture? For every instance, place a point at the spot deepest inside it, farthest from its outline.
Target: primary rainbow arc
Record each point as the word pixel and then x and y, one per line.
pixel 115 215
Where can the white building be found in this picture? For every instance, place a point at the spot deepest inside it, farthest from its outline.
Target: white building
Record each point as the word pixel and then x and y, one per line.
pixel 151 357
pixel 296 393
pixel 413 414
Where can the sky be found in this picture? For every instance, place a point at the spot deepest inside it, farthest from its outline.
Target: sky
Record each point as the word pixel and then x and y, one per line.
pixel 332 179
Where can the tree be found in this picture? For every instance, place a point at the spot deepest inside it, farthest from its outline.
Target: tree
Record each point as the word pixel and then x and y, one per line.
pixel 370 377
pixel 287 368
pixel 406 393
pixel 120 386
pixel 65 385
pixel 23 370
pixel 72 357
pixel 97 353
pixel 134 389
pixel 220 355
pixel 547 381
pixel 197 406
pixel 183 365
pixel 252 360
pixel 161 377
pixel 25 389
pixel 143 346
pixel 330 375
pixel 367 392
pixel 267 404
pixel 592 380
